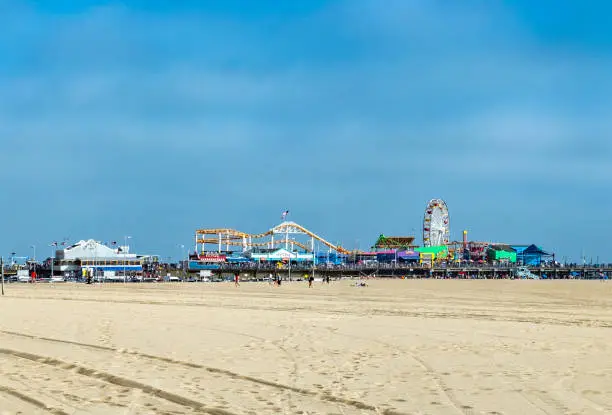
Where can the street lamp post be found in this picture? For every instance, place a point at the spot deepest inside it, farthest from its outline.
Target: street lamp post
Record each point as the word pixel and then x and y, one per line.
pixel 182 260
pixel 53 245
pixel 2 272
pixel 289 276
pixel 312 246
pixel 34 258
pixel 91 272
pixel 125 238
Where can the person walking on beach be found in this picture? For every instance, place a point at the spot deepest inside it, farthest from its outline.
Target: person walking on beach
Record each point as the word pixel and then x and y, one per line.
pixel 237 279
pixel 310 280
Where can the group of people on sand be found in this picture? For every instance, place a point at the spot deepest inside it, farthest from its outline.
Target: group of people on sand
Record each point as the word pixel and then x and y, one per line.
pixel 276 280
pixel 325 279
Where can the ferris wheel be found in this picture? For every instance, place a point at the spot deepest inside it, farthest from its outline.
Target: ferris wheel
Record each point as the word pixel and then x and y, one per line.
pixel 436 224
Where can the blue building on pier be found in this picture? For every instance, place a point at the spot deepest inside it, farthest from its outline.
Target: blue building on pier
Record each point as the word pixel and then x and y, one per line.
pixel 531 255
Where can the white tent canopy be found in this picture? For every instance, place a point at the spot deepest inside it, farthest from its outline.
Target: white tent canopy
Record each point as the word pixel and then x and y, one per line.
pixel 91 249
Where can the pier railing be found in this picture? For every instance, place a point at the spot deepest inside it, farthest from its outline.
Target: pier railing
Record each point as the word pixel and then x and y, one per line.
pixel 451 270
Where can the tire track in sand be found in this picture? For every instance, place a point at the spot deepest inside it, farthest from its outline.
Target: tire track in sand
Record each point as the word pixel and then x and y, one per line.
pixel 28 399
pixel 458 406
pixel 114 380
pixel 323 397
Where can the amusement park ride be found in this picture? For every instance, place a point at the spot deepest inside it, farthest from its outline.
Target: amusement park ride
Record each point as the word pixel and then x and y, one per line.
pixel 436 232
pixel 283 234
pixel 436 224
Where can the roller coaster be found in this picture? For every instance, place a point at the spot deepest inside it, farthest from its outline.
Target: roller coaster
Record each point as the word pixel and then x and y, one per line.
pixel 282 234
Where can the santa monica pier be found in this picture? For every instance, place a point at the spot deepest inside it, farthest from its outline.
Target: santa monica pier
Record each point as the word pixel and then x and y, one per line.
pixel 290 251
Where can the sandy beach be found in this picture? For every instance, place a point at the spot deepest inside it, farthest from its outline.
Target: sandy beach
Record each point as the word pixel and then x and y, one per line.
pixel 394 347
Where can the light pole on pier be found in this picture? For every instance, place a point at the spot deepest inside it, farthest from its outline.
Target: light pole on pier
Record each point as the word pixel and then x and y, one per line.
pixel 183 265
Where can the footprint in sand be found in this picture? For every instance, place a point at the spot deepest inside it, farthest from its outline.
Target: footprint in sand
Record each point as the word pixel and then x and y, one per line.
pixel 105 337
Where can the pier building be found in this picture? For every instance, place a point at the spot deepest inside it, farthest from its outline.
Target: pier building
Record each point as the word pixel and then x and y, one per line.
pixel 97 259
pixel 279 255
pixel 501 254
pixel 395 242
pixel 532 255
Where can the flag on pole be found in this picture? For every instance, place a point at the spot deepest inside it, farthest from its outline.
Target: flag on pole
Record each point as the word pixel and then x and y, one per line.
pixel 284 215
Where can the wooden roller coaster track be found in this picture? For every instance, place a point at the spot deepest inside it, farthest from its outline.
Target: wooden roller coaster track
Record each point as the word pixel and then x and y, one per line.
pixel 227 236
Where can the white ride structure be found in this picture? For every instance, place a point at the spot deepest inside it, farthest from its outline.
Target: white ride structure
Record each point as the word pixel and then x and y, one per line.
pixel 436 224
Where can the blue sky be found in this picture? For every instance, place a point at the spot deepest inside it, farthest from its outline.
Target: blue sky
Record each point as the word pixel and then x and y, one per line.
pixel 154 118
